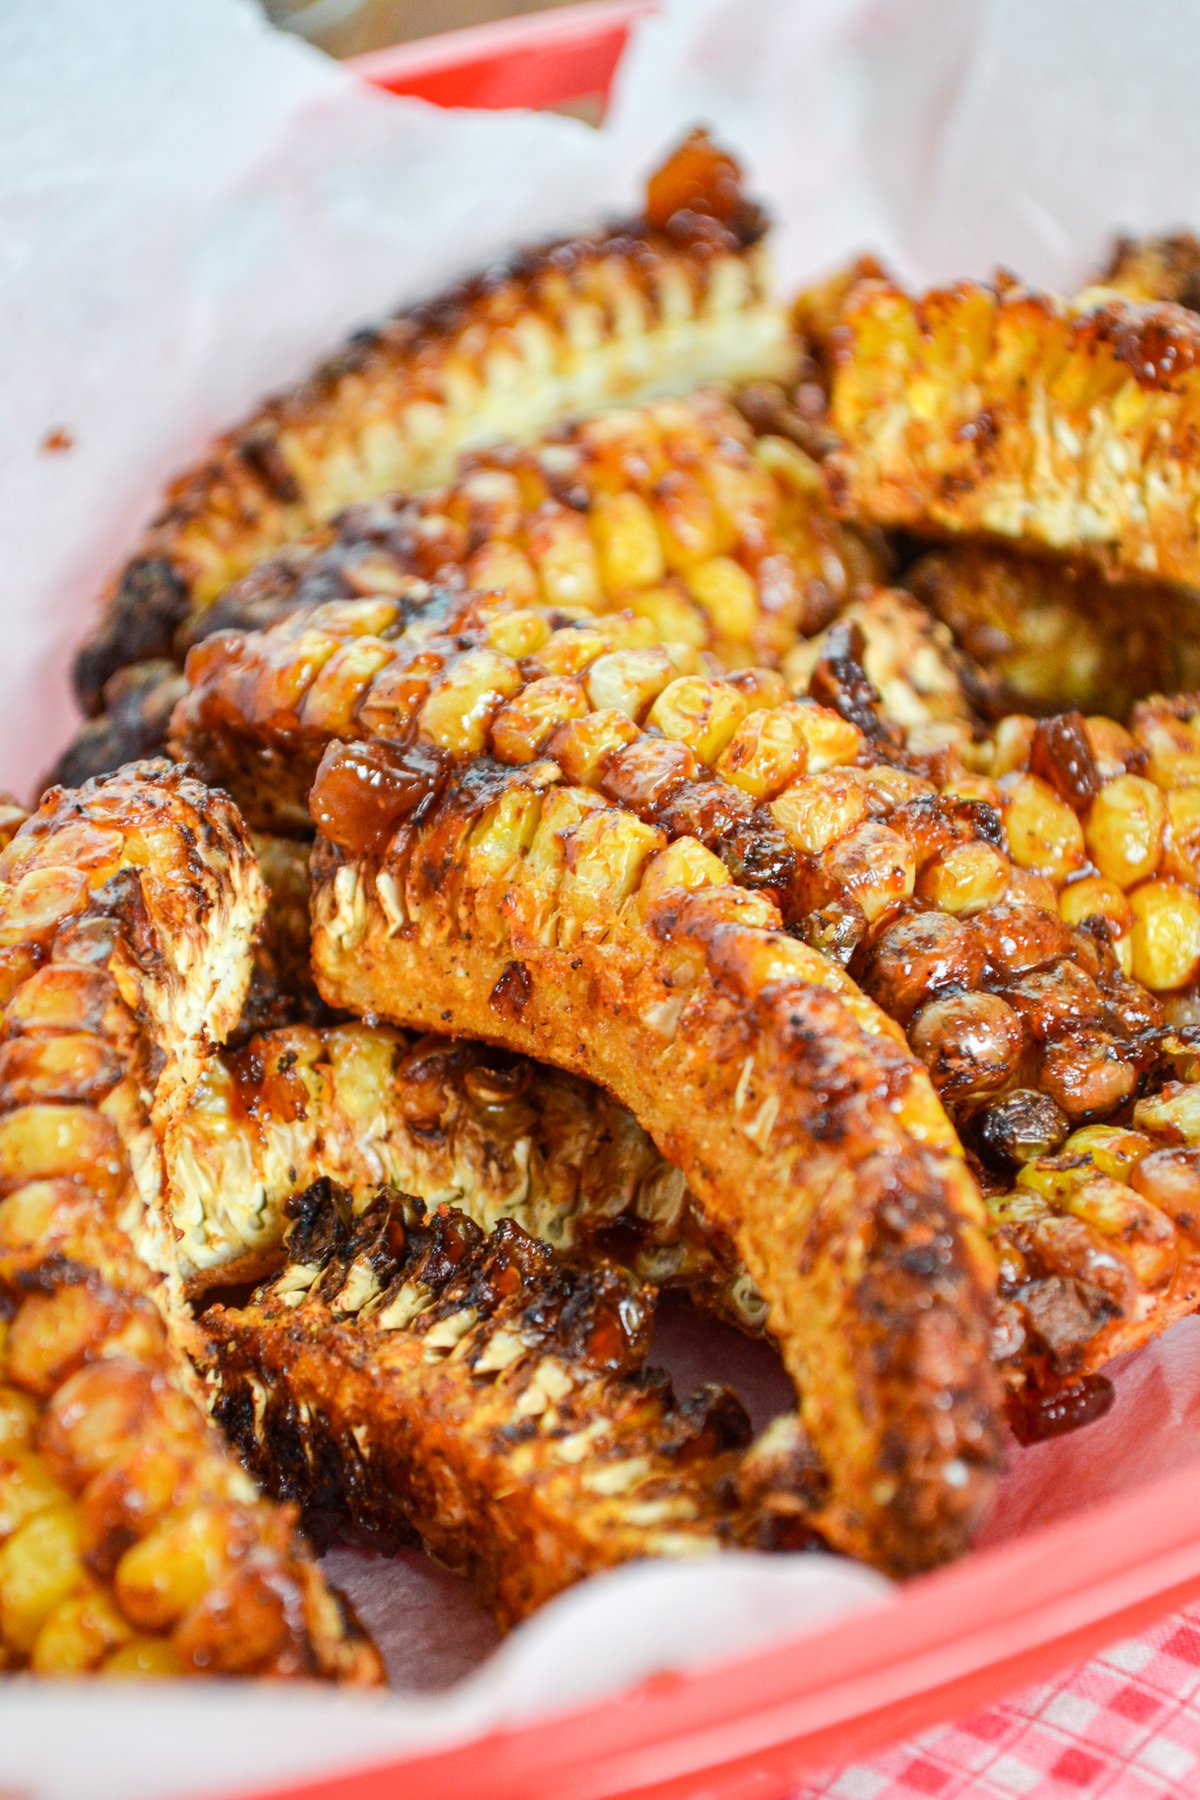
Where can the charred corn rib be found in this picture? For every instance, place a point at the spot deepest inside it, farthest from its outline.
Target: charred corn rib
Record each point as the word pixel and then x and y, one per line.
pixel 1021 416
pixel 911 882
pixel 1056 634
pixel 674 509
pixel 545 907
pixel 450 1123
pixel 281 987
pixel 662 304
pixel 402 1374
pixel 130 1540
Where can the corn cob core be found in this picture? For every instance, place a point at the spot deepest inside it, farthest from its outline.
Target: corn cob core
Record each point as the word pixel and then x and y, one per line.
pixel 909 880
pixel 129 1540
pixel 450 1123
pixel 487 1392
pixel 1002 412
pixel 657 305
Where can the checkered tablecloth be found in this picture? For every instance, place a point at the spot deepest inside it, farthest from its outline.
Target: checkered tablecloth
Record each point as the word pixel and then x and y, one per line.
pixel 1126 1726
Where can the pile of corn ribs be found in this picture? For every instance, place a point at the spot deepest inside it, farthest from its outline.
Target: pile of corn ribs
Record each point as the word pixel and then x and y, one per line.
pixel 620 784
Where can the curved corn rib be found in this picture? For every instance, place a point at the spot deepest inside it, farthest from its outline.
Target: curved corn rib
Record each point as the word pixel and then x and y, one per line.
pixel 908 879
pixel 663 304
pixel 130 1541
pixel 999 411
pixel 401 1374
pixel 449 1123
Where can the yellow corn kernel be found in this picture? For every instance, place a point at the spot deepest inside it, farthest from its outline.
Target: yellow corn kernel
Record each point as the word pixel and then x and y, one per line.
pixel 1110 744
pixel 1043 832
pixel 78 1635
pixel 26 1487
pixel 789 465
pixel 52 1333
pixel 729 595
pixel 966 878
pixel 562 810
pixel 144 1659
pixel 700 713
pixel 581 746
pixel 561 549
pixel 1165 935
pixel 1096 897
pixel 976 787
pixel 604 855
pixel 18 1417
pixel 1112 1149
pixel 830 742
pixel 765 753
pixel 874 864
pixel 171 1570
pixel 1012 742
pixel 675 618
pixel 38 902
pixel 503 569
pixel 628 680
pixel 40 1566
pixel 41 1142
pixel 1124 829
pixel 458 712
pixel 574 648
pixel 627 542
pixel 517 631
pixel 523 724
pixel 1140 1233
pixel 1027 889
pixel 1051 1177
pixel 1181 857
pixel 687 522
pixel 1173 749
pixel 683 864
pixel 329 706
pixel 817 810
pixel 1172 1115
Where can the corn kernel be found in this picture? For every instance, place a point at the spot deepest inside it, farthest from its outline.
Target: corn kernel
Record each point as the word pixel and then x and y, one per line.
pixel 789 465
pixel 627 542
pixel 875 865
pixel 39 902
pixel 581 746
pixel 1043 832
pixel 1165 935
pixel 1112 1149
pixel 459 710
pixel 26 1487
pixel 40 1566
pixel 562 551
pixel 1182 854
pixel 501 568
pixel 1172 1115
pixel 1096 897
pixel 628 680
pixel 517 632
pixel 830 741
pixel 1111 746
pixel 144 1659
pixel 41 1142
pixel 683 864
pixel 765 753
pixel 604 854
pixel 1012 742
pixel 1124 829
pixel 18 1417
pixel 1173 749
pixel 523 724
pixel 818 809
pixel 976 787
pixel 700 713
pixel 966 878
pixel 329 706
pixel 52 1333
pixel 675 618
pixel 78 1635
pixel 171 1570
pixel 728 594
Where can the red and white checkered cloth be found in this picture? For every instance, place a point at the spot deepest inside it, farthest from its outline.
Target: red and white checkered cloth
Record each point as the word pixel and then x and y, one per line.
pixel 1125 1726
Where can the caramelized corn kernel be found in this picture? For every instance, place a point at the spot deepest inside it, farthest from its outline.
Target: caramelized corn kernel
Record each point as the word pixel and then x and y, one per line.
pixel 965 879
pixel 40 1566
pixel 1166 934
pixel 1124 829
pixel 1043 832
pixel 701 713
pixel 173 1568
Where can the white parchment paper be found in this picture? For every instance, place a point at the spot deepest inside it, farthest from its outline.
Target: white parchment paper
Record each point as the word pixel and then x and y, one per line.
pixel 192 209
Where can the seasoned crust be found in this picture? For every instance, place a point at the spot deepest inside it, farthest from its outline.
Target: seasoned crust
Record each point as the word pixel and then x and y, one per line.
pixel 403 1373
pixel 658 304
pixel 1157 268
pixel 127 911
pixel 790 1104
pixel 1004 412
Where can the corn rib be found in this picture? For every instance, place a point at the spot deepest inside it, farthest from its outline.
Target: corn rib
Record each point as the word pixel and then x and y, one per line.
pixel 130 1541
pixel 897 865
pixel 662 304
pixel 1017 415
pixel 404 1374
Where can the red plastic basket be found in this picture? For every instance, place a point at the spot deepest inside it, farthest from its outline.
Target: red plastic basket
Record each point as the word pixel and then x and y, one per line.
pixel 946 1644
